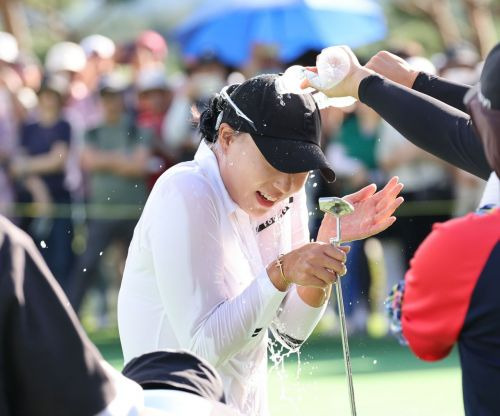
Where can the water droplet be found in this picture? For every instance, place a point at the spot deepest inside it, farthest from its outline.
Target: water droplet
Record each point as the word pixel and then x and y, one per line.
pixel 375 362
pixel 135 186
pixel 312 175
pixel 42 244
pixel 84 270
pixel 315 184
pixel 109 198
pixel 100 253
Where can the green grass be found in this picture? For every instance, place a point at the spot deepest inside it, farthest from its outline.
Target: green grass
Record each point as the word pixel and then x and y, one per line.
pixel 388 380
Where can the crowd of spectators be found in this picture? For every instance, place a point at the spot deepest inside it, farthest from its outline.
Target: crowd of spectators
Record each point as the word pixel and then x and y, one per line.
pixel 85 133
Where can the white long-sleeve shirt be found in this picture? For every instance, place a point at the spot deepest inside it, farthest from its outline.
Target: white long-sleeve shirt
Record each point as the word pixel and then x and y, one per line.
pixel 195 278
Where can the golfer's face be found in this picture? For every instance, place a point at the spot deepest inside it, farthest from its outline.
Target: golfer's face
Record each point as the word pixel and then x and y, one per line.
pixel 251 181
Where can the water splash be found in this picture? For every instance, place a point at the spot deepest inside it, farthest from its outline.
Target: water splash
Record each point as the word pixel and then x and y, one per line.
pixel 278 354
pixel 291 80
pixel 287 390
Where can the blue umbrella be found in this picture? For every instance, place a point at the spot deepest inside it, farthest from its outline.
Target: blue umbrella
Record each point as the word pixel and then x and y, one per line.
pixel 230 28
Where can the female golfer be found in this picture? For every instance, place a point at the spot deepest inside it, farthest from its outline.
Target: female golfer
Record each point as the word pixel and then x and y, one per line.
pixel 222 252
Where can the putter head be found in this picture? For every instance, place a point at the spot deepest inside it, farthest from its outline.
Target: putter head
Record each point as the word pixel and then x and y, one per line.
pixel 335 206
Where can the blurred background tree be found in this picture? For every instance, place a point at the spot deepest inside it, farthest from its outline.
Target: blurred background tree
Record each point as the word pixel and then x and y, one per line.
pixel 441 24
pixel 435 24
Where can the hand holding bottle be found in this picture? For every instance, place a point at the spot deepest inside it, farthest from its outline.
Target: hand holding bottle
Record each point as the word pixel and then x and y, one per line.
pixel 337 73
pixel 332 66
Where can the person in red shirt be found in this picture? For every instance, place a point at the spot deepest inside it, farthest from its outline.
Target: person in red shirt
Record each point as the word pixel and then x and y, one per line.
pixel 450 296
pixel 450 293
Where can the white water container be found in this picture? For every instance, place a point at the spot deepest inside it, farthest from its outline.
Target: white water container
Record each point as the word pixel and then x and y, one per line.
pixel 332 65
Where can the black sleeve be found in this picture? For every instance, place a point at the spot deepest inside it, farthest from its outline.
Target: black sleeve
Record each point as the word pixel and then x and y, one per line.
pixel 428 123
pixel 443 90
pixel 48 365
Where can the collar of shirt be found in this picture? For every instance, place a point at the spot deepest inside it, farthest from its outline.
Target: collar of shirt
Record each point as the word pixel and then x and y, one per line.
pixel 207 161
pixel 240 220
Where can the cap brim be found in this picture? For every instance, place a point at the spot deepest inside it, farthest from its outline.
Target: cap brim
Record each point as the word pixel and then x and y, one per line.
pixel 292 156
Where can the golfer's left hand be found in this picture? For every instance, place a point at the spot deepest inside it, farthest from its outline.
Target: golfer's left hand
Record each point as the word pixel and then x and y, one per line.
pixel 372 213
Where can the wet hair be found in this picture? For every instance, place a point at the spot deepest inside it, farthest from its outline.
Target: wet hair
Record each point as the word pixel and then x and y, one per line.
pixel 208 123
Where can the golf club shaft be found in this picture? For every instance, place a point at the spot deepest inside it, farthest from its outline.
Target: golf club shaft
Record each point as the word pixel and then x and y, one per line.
pixel 338 208
pixel 345 345
pixel 343 330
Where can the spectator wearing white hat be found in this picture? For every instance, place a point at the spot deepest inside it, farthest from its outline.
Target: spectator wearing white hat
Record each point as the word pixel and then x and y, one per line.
pixel 154 96
pixel 81 108
pixel 69 59
pixel 100 51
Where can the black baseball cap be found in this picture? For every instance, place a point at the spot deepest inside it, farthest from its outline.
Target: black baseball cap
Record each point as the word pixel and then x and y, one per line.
pixel 285 127
pixel 176 370
pixel 483 105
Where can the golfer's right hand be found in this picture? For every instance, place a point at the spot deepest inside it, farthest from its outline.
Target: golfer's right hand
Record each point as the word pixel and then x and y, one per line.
pixel 312 265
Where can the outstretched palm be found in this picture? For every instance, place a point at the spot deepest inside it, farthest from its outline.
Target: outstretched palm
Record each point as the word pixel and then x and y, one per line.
pixel 372 213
